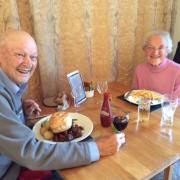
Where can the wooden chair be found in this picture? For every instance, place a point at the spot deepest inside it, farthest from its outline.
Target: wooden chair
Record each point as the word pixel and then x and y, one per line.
pixel 177 54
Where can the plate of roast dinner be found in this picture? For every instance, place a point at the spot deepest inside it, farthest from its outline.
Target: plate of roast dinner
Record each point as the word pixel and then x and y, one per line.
pixel 135 95
pixel 63 127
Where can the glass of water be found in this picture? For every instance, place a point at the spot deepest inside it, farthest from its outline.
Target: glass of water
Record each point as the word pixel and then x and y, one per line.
pixel 144 109
pixel 169 104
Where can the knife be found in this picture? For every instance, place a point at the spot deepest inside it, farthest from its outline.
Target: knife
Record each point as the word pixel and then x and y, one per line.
pixel 37 117
pixel 127 95
pixel 34 119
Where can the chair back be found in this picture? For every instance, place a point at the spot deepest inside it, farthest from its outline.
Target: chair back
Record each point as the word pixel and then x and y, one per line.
pixel 177 54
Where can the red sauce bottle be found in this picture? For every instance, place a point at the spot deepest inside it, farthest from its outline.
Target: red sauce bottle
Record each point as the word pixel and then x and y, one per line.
pixel 106 113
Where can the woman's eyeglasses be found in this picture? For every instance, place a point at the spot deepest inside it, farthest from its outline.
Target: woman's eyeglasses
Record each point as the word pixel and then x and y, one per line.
pixel 153 49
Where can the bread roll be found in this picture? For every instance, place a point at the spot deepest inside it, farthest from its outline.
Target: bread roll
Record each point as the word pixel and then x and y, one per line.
pixel 59 122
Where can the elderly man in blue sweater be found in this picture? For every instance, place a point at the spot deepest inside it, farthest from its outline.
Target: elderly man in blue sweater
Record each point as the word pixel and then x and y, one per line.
pixel 18 146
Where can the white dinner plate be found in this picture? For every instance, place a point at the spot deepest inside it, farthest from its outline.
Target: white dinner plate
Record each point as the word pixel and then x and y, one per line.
pixel 133 100
pixel 82 120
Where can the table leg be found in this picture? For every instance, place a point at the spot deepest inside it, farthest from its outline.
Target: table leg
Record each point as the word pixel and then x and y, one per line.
pixel 168 173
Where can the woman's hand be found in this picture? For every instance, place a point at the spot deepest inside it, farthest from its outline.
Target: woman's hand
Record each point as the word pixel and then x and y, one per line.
pixel 31 108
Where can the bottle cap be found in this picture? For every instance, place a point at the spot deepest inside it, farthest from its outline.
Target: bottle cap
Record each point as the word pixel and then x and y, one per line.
pixel 106 94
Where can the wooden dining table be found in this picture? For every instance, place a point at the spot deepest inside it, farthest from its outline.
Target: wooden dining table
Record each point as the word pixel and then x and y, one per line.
pixel 148 150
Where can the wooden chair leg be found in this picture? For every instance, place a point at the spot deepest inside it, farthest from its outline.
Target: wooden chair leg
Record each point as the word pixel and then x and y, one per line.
pixel 168 173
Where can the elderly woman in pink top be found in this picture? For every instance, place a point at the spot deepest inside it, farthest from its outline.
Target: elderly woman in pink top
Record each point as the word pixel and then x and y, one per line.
pixel 158 73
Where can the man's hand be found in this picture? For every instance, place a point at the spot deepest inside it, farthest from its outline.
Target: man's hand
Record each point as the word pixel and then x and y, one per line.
pixel 31 108
pixel 109 145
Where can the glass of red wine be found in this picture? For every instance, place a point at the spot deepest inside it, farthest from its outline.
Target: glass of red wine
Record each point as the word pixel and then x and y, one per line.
pixel 120 122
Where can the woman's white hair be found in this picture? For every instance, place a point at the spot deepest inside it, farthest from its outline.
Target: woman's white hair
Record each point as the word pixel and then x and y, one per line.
pixel 164 35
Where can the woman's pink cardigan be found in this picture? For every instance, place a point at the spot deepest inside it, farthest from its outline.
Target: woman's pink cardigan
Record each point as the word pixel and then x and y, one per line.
pixel 164 78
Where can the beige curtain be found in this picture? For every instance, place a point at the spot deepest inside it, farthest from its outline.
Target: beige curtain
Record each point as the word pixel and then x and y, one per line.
pixel 101 38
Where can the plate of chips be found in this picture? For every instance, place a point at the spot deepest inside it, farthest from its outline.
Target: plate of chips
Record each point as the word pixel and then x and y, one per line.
pixel 135 95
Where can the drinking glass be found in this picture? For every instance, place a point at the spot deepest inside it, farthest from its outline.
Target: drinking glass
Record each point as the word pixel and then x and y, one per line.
pixel 120 120
pixel 76 94
pixel 119 124
pixel 144 105
pixel 102 87
pixel 169 104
